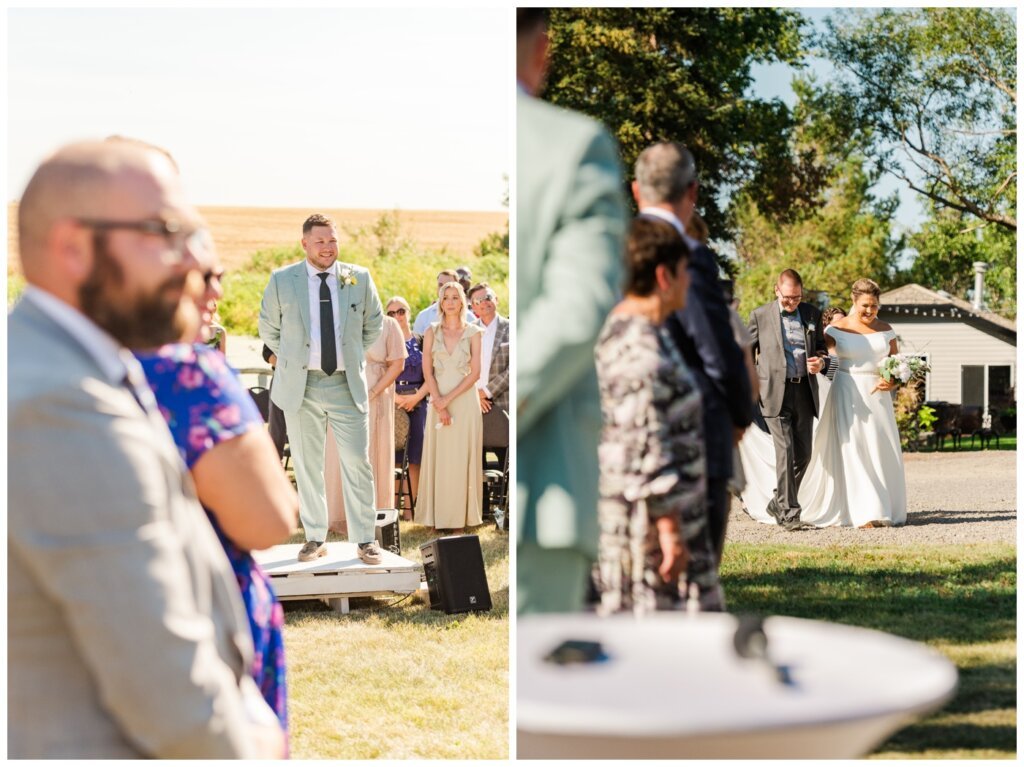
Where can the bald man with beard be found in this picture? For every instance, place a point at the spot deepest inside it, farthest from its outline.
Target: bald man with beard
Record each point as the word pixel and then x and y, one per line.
pixel 126 633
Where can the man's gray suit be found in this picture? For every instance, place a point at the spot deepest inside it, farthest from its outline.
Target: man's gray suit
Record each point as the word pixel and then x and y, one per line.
pixel 126 635
pixel 495 421
pixel 789 408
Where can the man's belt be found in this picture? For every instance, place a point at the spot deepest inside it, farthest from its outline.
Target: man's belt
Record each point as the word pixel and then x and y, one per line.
pixel 795 379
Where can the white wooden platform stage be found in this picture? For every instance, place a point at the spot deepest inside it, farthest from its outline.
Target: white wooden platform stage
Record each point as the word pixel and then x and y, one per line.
pixel 339 575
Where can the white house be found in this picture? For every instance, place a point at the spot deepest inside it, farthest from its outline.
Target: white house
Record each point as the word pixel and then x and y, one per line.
pixel 972 352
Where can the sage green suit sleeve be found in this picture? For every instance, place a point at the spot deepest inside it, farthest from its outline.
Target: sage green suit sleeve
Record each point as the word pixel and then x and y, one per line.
pixel 578 284
pixel 270 316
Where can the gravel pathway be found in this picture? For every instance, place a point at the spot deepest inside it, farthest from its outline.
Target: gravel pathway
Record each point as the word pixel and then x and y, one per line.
pixel 953 498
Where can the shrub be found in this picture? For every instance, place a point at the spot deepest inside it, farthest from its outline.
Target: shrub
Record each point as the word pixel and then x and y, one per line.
pixel 912 418
pixel 402 269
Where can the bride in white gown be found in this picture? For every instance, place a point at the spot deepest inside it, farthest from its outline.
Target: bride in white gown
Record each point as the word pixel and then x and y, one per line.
pixel 855 475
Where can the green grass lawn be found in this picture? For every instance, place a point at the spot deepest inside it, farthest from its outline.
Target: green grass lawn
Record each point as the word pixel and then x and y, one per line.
pixel 397 680
pixel 962 601
pixel 1006 442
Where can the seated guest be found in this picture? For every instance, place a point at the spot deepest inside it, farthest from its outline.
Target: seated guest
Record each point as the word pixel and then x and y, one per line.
pixel 451 494
pixel 492 388
pixel 237 474
pixel 430 315
pixel 410 393
pixel 465 279
pixel 217 336
pixel 654 538
pixel 384 362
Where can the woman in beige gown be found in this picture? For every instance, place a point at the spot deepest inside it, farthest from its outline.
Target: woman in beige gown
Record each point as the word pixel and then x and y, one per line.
pixel 451 473
pixel 385 360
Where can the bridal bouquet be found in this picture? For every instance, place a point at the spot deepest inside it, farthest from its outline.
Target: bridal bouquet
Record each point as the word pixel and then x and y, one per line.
pixel 902 368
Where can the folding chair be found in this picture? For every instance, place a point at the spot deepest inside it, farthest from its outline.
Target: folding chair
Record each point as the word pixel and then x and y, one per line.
pixel 402 471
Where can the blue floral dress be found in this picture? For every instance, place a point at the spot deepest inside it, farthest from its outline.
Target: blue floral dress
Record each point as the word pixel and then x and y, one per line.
pixel 204 404
pixel 409 382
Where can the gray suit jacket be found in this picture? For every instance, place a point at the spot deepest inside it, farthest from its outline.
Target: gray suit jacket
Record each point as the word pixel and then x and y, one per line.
pixel 497 376
pixel 126 634
pixel 570 234
pixel 769 357
pixel 284 327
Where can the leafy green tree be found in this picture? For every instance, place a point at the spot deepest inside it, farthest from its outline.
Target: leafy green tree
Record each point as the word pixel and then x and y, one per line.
pixel 933 92
pixel 653 74
pixel 845 237
pixel 948 245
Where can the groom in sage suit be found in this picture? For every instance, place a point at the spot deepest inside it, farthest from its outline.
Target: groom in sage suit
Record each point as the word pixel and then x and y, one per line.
pixel 318 317
pixel 571 231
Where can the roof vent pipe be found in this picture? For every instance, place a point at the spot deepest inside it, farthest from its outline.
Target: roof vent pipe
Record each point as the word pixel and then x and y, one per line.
pixel 980 267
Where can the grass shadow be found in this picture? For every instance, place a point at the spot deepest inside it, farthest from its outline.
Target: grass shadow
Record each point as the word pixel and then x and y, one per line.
pixel 960 599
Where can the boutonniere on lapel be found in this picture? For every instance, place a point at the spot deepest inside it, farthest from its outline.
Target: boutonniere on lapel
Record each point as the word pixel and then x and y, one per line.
pixel 347 277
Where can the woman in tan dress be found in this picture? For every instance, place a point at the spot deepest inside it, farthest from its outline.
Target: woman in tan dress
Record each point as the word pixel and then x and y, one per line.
pixel 451 474
pixel 384 362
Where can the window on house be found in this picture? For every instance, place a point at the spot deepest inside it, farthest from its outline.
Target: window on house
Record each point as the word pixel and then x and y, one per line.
pixel 986 386
pixel 1000 390
pixel 972 385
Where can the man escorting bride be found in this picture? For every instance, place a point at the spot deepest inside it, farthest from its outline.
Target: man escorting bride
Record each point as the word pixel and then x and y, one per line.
pixel 852 474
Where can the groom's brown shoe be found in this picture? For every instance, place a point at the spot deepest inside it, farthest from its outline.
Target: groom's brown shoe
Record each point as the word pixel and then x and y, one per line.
pixel 774 511
pixel 312 550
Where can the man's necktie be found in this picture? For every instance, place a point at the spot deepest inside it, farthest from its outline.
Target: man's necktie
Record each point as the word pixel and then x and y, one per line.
pixel 328 349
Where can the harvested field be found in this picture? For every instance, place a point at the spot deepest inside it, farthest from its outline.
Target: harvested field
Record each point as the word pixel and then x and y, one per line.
pixel 239 232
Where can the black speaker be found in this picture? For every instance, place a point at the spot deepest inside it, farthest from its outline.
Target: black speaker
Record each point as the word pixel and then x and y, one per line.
pixel 386 531
pixel 454 566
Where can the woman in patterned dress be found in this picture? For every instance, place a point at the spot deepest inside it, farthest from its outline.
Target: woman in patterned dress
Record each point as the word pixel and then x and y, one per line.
pixel 410 393
pixel 238 476
pixel 654 541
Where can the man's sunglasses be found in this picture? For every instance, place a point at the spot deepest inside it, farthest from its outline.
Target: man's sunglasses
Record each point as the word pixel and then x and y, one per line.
pixel 177 236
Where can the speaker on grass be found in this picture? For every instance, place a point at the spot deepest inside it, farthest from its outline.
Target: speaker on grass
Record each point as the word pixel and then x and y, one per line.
pixel 456 580
pixel 386 531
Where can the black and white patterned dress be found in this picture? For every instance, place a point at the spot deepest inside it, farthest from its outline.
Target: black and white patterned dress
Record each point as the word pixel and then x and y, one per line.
pixel 652 464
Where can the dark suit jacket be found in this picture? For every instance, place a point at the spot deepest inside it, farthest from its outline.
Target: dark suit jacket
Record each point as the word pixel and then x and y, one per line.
pixel 770 358
pixel 703 333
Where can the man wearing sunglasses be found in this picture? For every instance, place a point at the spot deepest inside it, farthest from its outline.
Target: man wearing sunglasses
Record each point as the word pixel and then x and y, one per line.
pixel 126 633
pixel 492 387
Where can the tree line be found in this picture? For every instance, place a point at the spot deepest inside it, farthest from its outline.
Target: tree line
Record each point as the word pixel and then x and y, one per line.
pixel 924 95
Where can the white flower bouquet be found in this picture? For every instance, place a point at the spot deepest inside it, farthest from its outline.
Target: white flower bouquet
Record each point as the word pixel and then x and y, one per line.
pixel 902 368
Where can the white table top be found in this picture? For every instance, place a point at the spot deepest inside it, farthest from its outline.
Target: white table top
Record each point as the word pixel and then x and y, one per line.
pixel 669 675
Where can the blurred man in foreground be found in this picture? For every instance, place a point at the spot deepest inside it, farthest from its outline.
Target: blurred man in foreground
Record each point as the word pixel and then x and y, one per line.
pixel 571 232
pixel 126 633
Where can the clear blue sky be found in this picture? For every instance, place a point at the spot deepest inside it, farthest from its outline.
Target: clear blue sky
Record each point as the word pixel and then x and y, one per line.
pixel 348 108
